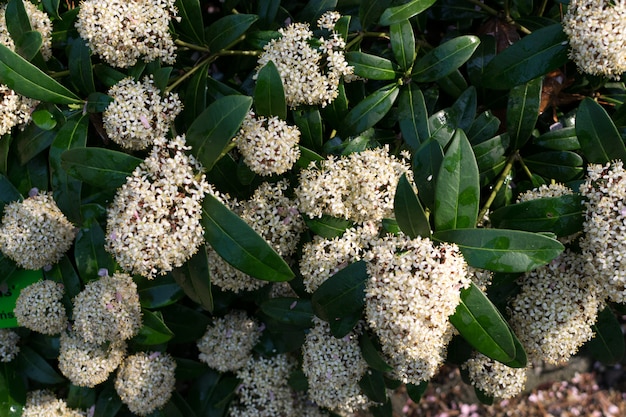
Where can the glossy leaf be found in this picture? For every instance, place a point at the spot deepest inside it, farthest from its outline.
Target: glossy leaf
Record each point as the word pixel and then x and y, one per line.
pixel 240 245
pixel 195 96
pixel 479 60
pixel 607 345
pixel 158 293
pixel 533 56
pixel 326 226
pixel 523 111
pixel 599 138
pixel 444 59
pixel 154 330
pixel 89 253
pixel 28 80
pixel 101 167
pixel 314 9
pixel 211 132
pixel 267 10
pixel 403 44
pixel 404 11
pixel 502 250
pixel 227 30
pixel 369 111
pixel 442 126
pixel 32 142
pixel 562 166
pixel 12 391
pixel 336 111
pixel 309 122
pixel 409 212
pixel 108 403
pixel 415 392
pixel 457 192
pixel 195 280
pixel 43 119
pixel 413 116
pixel 372 355
pixel 371 10
pixel 79 62
pixel 269 95
pixel 485 126
pixel 187 324
pixel 37 368
pixel 564 139
pixel 464 109
pixel 8 192
pixel 296 312
pixel 482 325
pixel 64 272
pixel 371 67
pixel 191 19
pixel 52 7
pixel 373 385
pixel 19 23
pixel 28 45
pixel 427 162
pixel 491 156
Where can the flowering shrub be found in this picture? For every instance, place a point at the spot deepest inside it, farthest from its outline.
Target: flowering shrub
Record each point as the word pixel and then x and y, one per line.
pixel 274 208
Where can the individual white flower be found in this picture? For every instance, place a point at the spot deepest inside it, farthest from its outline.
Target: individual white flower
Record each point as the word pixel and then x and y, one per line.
pixel 39 308
pixel 494 378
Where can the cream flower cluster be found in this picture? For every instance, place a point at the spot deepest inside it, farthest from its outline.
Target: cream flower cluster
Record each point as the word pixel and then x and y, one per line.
pixel 413 288
pixel 138 114
pixel 596 36
pixel 555 309
pixel 123 31
pixel 227 343
pixel 545 191
pixel 145 381
pixel 605 227
pixel 43 403
pixel 34 232
pixel 15 109
pixel 310 75
pixel 153 224
pixel 360 187
pixel 39 308
pixel 494 378
pixel 9 347
pixel 333 368
pixel 268 146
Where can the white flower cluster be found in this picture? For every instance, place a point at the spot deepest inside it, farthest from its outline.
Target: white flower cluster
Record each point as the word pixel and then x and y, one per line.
pixel 555 309
pixel 333 368
pixel 596 36
pixel 494 378
pixel 34 232
pixel 39 308
pixel 138 114
pixel 9 347
pixel 310 75
pixel 227 343
pixel 124 31
pixel 268 146
pixel 43 403
pixel 153 224
pixel 360 187
pixel 604 228
pixel 545 191
pixel 413 288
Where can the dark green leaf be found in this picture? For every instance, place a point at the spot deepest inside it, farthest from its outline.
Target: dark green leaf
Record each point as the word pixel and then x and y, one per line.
pixel 371 67
pixel 444 59
pixel 306 157
pixel 12 391
pixel 522 111
pixel 37 368
pixel 341 327
pixel 309 122
pixel 101 167
pixel 8 193
pixel 404 11
pixel 28 44
pixel 213 130
pixel 483 397
pixel 413 116
pixel 382 410
pixel 416 391
pixel 43 119
pixel 195 96
pixel 269 95
pixel 403 43
pixel 32 175
pixel 608 344
pixel 31 142
pixel 372 355
pixel 599 138
pixel 79 64
pixel 409 211
pixel 502 250
pixel 267 10
pixel 479 60
pixel 52 8
pixel 453 84
pixel 442 126
pixel 18 24
pixel 191 19
pixel 369 111
pixel 186 323
pixel 371 10
pixel 484 127
pixel 562 166
pixel 534 55
pixel 227 30
pixel 336 111
pixel 89 252
pixel 564 139
pixel 81 397
pixel 482 325
pixel 296 312
pixel 154 331
pixel 64 272
pixel 464 108
pixel 5 144
pixel 427 161
pixel 373 385
pixel 327 226
pixel 107 75
pixel 240 245
pixel 98 102
pixel 314 9
pixel 158 293
pixel 457 192
pixel 195 280
pixel 491 156
pixel 28 80
pixel 108 403
pixel 520 360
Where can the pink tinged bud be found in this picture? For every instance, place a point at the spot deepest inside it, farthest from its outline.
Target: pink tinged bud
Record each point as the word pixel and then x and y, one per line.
pixel 47 268
pixel 229 332
pixel 103 272
pixel 328 374
pixel 118 297
pixel 622 212
pixel 145 122
pixel 33 192
pixel 109 306
pixel 262 327
pixel 154 355
pixel 272 395
pixel 113 236
pixel 92 411
pixel 293 305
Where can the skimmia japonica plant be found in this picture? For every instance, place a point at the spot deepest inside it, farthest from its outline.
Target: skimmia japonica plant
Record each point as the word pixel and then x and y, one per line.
pixel 266 208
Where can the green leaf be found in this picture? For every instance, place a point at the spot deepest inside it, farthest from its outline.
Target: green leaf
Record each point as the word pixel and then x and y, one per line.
pixel 608 344
pixel 5 144
pixel 64 272
pixel 12 391
pixel 457 192
pixel 108 403
pixel 267 10
pixel 562 166
pixel 599 138
pixel 442 126
pixel 43 119
pixel 444 59
pixel 8 192
pixel 269 95
pixel 98 102
pixel 306 157
pixel 464 108
pixel 29 44
pixel 213 130
pixel 79 64
pixel 327 226
pixel 191 19
pixel 297 312
pixel 342 296
pixel 564 139
pixel 158 293
pixel 52 8
pixel 154 330
pixel 484 127
pixel 101 167
pixel 240 245
pixel 372 355
pixel 403 43
pixel 479 60
pixel 409 211
pixel 415 392
pixel 31 142
pixel 533 56
pixel 491 157
pixel 369 111
pixel 19 22
pixel 336 111
pixel 195 95
pixel 195 280
pixel 371 67
pixel 314 9
pixel 28 80
pixel 31 364
pixel 482 325
pixel 188 324
pixel 413 116
pixel 427 162
pixel 371 10
pixel 502 250
pixel 520 360
pixel 373 385
pixel 523 111
pixel 227 30
pixel 89 253
pixel 32 175
pixel 309 122
pixel 404 11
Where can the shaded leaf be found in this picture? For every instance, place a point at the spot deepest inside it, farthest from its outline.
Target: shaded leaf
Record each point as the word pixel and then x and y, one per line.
pixel 373 385
pixel 409 211
pixel 562 166
pixel 28 44
pixel 37 368
pixel 523 111
pixel 371 10
pixel 195 280
pixel 297 312
pixel 8 192
pixel 564 139
pixel 89 253
pixel 314 9
pixel 372 67
pixel 12 391
pixel 101 167
pixel 464 108
pixel 403 43
pixel 491 157
pixel 31 142
pixel 427 162
pixel 191 19
pixel 158 293
pixel 309 122
pixel 154 330
pixel 227 30
pixel 269 95
pixel 404 11
pixel 369 111
pixel 607 345
pixel 416 391
pixel 444 59
pixel 372 355
pixel 599 138
pixel 413 116
pixel 108 402
pixel 79 64
pixel 327 226
pixel 483 127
